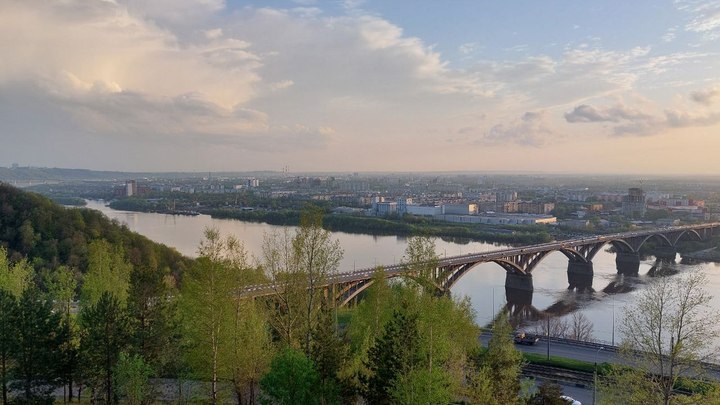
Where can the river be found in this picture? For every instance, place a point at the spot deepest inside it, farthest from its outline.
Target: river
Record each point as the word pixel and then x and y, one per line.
pixel 484 284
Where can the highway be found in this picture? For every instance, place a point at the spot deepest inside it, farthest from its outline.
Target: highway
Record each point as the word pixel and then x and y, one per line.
pixel 586 351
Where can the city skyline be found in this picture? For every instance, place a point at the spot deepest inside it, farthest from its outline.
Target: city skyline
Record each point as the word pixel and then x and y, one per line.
pixel 209 85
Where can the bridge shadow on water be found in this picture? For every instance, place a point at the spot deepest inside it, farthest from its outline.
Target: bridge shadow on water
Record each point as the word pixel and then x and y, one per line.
pixel 519 303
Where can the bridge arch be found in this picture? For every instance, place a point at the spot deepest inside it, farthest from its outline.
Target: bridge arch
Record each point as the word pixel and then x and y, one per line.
pixel 620 245
pixel 448 278
pixel 696 234
pixel 573 255
pixel 658 236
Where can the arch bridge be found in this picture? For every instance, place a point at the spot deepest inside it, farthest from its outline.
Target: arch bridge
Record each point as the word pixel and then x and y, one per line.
pixel 520 262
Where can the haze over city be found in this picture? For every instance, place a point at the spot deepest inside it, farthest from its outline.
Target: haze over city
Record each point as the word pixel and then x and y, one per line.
pixel 200 85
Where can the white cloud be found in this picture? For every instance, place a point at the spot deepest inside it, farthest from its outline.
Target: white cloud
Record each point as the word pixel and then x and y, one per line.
pixel 704 17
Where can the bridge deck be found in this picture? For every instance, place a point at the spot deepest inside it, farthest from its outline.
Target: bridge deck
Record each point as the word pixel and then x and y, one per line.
pixel 500 254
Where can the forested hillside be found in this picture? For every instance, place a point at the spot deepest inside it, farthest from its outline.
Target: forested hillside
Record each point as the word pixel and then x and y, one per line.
pixel 49 235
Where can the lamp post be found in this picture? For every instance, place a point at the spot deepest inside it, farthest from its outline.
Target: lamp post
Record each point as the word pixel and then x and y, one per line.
pixel 547 316
pixel 613 321
pixel 595 376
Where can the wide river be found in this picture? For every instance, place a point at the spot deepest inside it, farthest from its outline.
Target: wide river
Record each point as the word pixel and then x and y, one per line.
pixel 484 284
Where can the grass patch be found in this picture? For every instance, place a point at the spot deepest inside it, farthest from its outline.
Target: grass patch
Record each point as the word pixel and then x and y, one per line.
pixel 568 364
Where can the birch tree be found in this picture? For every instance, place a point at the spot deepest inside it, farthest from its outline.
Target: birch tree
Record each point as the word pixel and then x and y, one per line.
pixel 669 331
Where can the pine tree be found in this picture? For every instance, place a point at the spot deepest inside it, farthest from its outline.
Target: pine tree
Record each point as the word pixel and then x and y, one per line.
pixel 329 352
pixel 8 308
pixel 61 287
pixel 394 354
pixel 106 330
pixel 152 313
pixel 39 336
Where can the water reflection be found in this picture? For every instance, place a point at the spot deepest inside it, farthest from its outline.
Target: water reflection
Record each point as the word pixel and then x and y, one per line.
pixel 609 291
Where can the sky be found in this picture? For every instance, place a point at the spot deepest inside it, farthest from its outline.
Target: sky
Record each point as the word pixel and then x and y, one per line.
pixel 376 85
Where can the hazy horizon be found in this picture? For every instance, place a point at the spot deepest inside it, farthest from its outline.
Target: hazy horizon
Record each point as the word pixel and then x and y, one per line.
pixel 615 88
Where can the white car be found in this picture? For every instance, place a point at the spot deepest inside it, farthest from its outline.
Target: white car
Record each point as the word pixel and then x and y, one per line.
pixel 570 400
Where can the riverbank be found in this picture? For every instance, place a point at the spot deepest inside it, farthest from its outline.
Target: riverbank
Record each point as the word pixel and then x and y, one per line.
pixel 399 227
pixel 706 255
pixel 355 224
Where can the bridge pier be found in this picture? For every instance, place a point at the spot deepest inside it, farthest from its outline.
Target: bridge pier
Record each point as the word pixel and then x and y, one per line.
pixel 522 282
pixel 518 298
pixel 628 263
pixel 580 275
pixel 518 288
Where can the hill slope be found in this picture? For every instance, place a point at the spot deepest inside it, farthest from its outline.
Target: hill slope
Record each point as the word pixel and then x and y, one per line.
pixel 50 235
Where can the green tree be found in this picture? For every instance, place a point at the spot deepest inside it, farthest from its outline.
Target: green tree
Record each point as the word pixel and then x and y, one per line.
pixel 61 286
pixel 39 336
pixel 548 393
pixel 212 318
pixel 504 361
pixel 292 379
pixel 106 333
pixel 422 386
pixel 14 277
pixel 289 283
pixel 317 257
pixel 393 355
pixel 666 331
pixel 420 261
pixel 8 309
pixel 152 310
pixel 250 350
pixel 479 388
pixel 132 379
pixel 330 354
pixel 448 336
pixel 368 320
pixel 205 309
pixel 107 272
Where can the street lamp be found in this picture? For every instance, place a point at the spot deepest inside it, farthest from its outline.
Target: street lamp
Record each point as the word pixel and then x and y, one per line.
pixel 595 375
pixel 613 321
pixel 547 316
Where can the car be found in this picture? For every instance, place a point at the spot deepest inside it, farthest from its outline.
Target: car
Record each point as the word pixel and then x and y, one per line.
pixel 570 400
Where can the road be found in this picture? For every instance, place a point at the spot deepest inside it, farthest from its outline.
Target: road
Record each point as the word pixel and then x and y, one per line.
pixel 587 352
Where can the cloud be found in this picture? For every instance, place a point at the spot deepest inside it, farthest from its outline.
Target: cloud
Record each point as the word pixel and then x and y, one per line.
pixel 577 74
pixel 174 12
pixel 626 121
pixel 704 17
pixel 588 113
pixel 684 119
pixel 670 35
pixel 706 97
pixel 103 42
pixel 531 129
